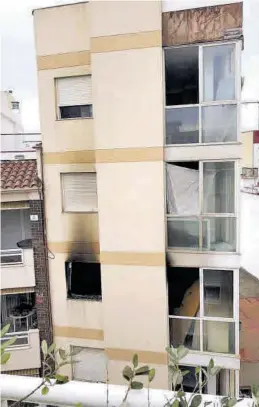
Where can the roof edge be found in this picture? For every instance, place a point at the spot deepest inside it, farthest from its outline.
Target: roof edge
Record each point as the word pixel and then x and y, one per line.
pixel 59 5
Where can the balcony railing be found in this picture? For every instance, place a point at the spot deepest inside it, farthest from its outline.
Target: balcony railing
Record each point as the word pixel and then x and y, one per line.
pixel 19 327
pixel 11 256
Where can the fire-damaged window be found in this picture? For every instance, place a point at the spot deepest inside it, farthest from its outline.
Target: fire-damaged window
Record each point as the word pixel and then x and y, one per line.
pixel 202 93
pixel 83 280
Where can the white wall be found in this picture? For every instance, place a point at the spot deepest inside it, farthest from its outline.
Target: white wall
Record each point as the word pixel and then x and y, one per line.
pixel 250 233
pixel 19 275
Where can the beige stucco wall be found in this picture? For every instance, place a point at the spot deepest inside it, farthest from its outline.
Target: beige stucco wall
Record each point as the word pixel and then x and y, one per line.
pixel 247 149
pixel 117 17
pixel 249 373
pixel 128 96
pixel 62 29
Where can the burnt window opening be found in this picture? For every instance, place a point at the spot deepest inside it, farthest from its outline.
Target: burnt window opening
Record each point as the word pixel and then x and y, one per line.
pixel 83 280
pixel 179 281
pixel 182 75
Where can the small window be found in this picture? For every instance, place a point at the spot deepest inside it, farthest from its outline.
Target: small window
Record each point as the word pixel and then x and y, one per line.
pixel 15 105
pixel 91 364
pixel 83 280
pixel 74 97
pixel 79 191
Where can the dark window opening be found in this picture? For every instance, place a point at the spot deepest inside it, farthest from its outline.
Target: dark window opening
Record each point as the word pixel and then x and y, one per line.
pixel 180 281
pixel 192 165
pixel 182 75
pixel 72 112
pixel 83 280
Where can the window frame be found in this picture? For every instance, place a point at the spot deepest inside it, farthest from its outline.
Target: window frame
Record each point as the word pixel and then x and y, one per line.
pixel 202 317
pixel 57 106
pixel 202 103
pixel 62 191
pixel 201 216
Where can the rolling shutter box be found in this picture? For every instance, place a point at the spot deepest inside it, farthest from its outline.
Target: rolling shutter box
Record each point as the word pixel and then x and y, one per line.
pixel 79 192
pixel 74 90
pixel 91 364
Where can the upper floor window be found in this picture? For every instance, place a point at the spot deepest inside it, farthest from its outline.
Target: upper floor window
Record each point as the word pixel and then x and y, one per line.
pixel 79 191
pixel 202 93
pixel 74 97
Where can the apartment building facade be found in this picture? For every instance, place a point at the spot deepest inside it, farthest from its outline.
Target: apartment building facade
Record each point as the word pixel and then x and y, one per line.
pixel 139 106
pixel 25 302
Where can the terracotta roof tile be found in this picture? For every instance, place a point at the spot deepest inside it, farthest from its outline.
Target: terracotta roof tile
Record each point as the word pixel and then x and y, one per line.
pixel 249 317
pixel 20 174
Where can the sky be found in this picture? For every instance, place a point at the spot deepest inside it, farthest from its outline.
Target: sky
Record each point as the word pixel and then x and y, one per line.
pixel 18 62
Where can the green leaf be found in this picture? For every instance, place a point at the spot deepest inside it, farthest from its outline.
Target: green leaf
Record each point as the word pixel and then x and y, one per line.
pixel 10 341
pixel 78 405
pixel 62 354
pixel 182 352
pixel 61 379
pixel 207 403
pixel 215 370
pixel 142 370
pixel 180 393
pixel 210 366
pixel 44 390
pixel 136 385
pixel 231 402
pixel 52 348
pixel 4 330
pixel 127 373
pixel 175 403
pixel 197 370
pixel 185 372
pixel 135 360
pixel 44 347
pixel 196 401
pixel 151 375
pixel 5 357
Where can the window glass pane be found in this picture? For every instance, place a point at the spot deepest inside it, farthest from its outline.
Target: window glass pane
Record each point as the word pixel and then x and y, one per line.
pixel 218 293
pixel 219 72
pixel 219 337
pixel 183 233
pixel 182 75
pixel 185 332
pixel 182 125
pixel 72 112
pixel 219 124
pixel 183 188
pixel 219 234
pixel 219 187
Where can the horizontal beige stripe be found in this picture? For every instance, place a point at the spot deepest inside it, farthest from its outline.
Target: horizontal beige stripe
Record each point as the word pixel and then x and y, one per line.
pixel 158 358
pixel 19 290
pixel 63 60
pixel 82 333
pixel 130 155
pixel 78 247
pixel 121 42
pixel 14 205
pixel 132 259
pixel 70 157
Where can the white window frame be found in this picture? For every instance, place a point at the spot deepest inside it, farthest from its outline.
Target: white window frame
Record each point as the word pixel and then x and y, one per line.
pixel 202 317
pixel 63 190
pixel 201 104
pixel 200 217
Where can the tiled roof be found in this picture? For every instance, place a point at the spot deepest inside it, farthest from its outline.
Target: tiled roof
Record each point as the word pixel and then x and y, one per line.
pixel 249 317
pixel 21 174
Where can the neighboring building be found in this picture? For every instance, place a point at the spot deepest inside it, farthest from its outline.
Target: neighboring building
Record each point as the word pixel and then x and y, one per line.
pixel 10 113
pixel 25 302
pixel 250 147
pixel 139 106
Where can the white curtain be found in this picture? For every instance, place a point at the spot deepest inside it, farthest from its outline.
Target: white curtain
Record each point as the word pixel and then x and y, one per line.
pixel 182 190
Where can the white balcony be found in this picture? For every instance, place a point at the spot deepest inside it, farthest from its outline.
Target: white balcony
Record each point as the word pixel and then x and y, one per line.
pixel 17 268
pixel 25 352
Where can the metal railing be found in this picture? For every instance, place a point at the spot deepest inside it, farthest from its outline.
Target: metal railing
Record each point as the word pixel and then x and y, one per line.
pixel 11 256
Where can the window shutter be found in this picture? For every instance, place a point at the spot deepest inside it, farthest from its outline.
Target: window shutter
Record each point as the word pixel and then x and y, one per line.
pixel 74 91
pixel 79 192
pixel 92 366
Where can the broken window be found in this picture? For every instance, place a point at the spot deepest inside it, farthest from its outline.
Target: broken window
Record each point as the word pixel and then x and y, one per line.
pixel 201 314
pixel 83 280
pixel 202 93
pixel 201 210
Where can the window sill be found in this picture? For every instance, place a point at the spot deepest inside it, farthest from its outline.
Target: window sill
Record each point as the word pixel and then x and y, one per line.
pixel 86 212
pixel 89 298
pixel 74 118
